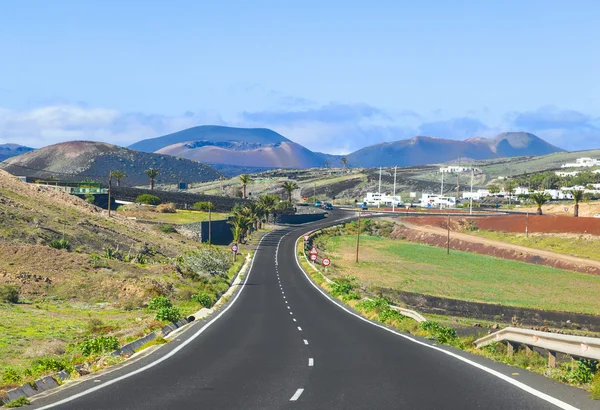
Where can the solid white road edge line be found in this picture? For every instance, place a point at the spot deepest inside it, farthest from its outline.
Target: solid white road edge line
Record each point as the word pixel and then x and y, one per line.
pixel 297 395
pixel 559 403
pixel 167 356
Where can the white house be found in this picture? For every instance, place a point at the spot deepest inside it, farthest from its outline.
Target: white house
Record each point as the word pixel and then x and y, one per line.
pixel 476 195
pixel 566 174
pixel 558 194
pixel 456 169
pixel 377 199
pixel 582 162
pixel 521 191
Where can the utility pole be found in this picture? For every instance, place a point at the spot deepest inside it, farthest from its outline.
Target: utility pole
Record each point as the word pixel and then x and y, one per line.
pixel 221 181
pixel 379 203
pixel 458 181
pixel 394 196
pixel 109 187
pixel 358 236
pixel 471 201
pixel 527 225
pixel 442 190
pixel 448 250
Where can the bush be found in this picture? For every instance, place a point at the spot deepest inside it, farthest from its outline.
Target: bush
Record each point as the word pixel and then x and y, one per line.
pixel 60 244
pixel 53 364
pixel 582 371
pixel 168 314
pixel 204 299
pixel 442 334
pixel 167 229
pixel 345 291
pixel 98 345
pixel 147 199
pixel 206 261
pixel 203 206
pixel 167 208
pixel 596 387
pixel 11 376
pixel 90 198
pixel 390 314
pixel 160 302
pixel 20 402
pixel 9 294
pixel 373 304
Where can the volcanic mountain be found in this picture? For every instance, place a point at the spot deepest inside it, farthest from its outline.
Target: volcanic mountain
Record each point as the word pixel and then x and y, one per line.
pixel 78 160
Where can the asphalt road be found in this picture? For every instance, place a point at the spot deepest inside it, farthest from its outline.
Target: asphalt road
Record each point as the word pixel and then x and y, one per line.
pixel 280 343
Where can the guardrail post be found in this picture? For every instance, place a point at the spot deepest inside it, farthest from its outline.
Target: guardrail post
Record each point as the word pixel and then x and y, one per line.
pixel 510 348
pixel 551 359
pixel 528 350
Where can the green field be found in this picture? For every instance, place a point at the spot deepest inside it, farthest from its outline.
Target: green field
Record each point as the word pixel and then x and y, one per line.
pixel 576 245
pixel 179 218
pixel 429 270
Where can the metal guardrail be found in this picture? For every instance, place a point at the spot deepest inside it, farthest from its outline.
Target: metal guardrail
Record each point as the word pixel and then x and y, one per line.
pixel 575 346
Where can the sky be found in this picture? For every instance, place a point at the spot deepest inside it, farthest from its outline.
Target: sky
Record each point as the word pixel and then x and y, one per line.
pixel 331 75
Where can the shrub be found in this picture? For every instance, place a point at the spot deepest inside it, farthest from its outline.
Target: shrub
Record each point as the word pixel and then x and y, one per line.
pixel 167 229
pixel 160 302
pixel 203 206
pixel 60 244
pixel 390 314
pixel 442 334
pixel 582 371
pixel 11 375
pixel 110 253
pixel 147 199
pixel 21 401
pixel 167 208
pixel 53 364
pixel 373 304
pixel 345 291
pixel 206 261
pixel 9 294
pixel 596 387
pixel 98 345
pixel 204 299
pixel 168 314
pixel 90 198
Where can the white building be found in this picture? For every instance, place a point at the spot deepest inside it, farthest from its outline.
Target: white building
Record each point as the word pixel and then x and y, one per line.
pixel 521 191
pixel 437 201
pixel 558 194
pixel 582 162
pixel 456 169
pixel 377 199
pixel 476 195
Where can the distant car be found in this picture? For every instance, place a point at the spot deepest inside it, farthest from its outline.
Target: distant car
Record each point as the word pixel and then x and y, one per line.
pixel 327 205
pixel 317 203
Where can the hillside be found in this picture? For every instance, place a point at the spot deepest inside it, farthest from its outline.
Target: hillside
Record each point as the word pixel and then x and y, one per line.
pixel 241 147
pixel 77 160
pixel 12 150
pixel 430 150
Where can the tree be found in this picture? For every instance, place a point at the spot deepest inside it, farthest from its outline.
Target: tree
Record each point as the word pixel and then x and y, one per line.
pixel 289 187
pixel 245 178
pixel 326 164
pixel 577 197
pixel 540 199
pixel 241 223
pixel 344 161
pixel 268 203
pixel 152 173
pixel 494 189
pixel 119 175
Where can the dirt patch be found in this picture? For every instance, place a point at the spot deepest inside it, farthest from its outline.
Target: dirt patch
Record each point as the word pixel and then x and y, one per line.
pixel 483 247
pixel 517 223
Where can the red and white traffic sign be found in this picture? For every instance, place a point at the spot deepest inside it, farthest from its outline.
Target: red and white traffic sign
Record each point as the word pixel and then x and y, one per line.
pixel 306 238
pixel 314 251
pixel 234 248
pixel 326 262
pixel 313 257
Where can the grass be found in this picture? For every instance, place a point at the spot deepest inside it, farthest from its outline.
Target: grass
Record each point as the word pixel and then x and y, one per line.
pixel 179 218
pixel 582 246
pixel 20 402
pixel 158 340
pixel 428 270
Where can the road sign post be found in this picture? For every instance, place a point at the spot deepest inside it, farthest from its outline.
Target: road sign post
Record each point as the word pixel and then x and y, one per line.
pixel 234 250
pixel 313 257
pixel 326 262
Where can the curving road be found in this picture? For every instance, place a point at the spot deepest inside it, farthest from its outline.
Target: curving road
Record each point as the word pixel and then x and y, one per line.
pixel 280 343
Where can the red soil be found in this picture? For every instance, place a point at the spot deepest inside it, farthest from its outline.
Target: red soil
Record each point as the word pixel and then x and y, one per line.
pixel 516 223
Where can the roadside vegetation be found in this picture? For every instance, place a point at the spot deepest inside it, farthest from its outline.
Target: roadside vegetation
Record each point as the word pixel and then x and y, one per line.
pixel 347 288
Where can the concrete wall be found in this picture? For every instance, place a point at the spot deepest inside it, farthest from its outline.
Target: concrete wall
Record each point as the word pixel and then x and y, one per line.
pixel 491 312
pixel 220 232
pixel 298 219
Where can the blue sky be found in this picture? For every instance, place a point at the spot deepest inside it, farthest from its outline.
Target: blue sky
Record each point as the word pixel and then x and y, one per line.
pixel 333 76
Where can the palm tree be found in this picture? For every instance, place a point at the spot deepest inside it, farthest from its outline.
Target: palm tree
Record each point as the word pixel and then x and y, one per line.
pixel 344 161
pixel 241 223
pixel 577 197
pixel 326 164
pixel 289 187
pixel 255 212
pixel 540 199
pixel 119 175
pixel 152 173
pixel 245 178
pixel 268 203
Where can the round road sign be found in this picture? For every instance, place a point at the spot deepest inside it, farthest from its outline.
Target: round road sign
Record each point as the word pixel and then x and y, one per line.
pixel 306 238
pixel 313 257
pixel 326 262
pixel 234 248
